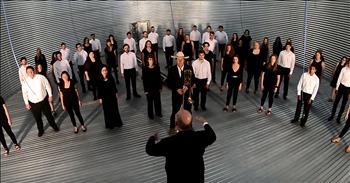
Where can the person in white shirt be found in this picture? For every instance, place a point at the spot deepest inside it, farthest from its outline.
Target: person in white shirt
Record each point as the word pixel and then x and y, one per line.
pixel 96 46
pixel 202 74
pixel 131 42
pixel 221 37
pixel 306 90
pixel 342 91
pixel 143 40
pixel 213 48
pixel 153 36
pixel 286 63
pixel 22 74
pixel 195 37
pixel 37 94
pixel 168 47
pixel 59 66
pixel 205 35
pixel 79 59
pixel 128 69
pixel 65 52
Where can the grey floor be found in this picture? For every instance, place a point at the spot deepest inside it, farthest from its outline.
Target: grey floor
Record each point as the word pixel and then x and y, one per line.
pixel 250 147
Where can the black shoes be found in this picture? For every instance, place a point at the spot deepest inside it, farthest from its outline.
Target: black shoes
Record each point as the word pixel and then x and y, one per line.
pixel 40 134
pixel 294 121
pixel 284 97
pixel 330 118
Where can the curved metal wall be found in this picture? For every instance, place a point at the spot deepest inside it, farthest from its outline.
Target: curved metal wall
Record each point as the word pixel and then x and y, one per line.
pixel 46 24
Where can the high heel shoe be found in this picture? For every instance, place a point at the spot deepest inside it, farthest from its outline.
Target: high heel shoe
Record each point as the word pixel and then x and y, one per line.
pixel 83 128
pixel 18 147
pixel 6 152
pixel 335 140
pixel 347 149
pixel 76 130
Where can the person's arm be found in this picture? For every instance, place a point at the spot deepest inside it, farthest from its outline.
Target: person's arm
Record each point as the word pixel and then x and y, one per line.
pixel 222 64
pixel 47 87
pixel 135 62
pixel 99 46
pixel 57 74
pixel 145 81
pixel 278 81
pixel 300 85
pixel 77 92
pixel 208 135
pixel 339 79
pixel 163 43
pixel 323 67
pixel 122 65
pixel 335 68
pixel 25 96
pixel 140 45
pixel 193 51
pixel 262 80
pixel 209 75
pixel 143 58
pixel 314 92
pixel 69 70
pixel 156 149
pixel 62 101
pixel 292 64
pixel 7 113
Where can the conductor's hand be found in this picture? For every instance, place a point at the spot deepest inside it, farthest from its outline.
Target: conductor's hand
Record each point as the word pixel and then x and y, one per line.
pixel 199 119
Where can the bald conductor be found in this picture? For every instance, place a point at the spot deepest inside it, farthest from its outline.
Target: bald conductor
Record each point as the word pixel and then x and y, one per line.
pixel 184 150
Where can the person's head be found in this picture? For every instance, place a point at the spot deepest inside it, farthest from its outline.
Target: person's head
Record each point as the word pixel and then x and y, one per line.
pixel 312 70
pixel 194 27
pixel 144 34
pixel 181 31
pixel 148 44
pixel 152 29
pixel 86 40
pixel 278 40
pixel 39 68
pixel 289 40
pixel 288 46
pixel 235 36
pixel 343 60
pixel 183 120
pixel 38 51
pixel 221 28
pixel 206 46
pixel 30 71
pixel 78 47
pixel 273 60
pixel 126 48
pixel 235 59
pixel 108 42
pixel 208 28
pixel 63 46
pixel 93 36
pixel 65 76
pixel 104 71
pixel 201 54
pixel 229 50
pixel 111 37
pixel 150 61
pixel 348 63
pixel 266 41
pixel 180 58
pixel 256 45
pixel 187 38
pixel 23 61
pixel 168 32
pixel 246 32
pixel 54 56
pixel 318 55
pixel 128 34
pixel 59 56
pixel 211 35
pixel 92 55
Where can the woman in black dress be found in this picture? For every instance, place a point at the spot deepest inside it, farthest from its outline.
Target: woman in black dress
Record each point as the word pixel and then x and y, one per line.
pixel 114 43
pixel 254 66
pixel 337 139
pixel 269 83
pixel 70 100
pixel 152 84
pixel 6 122
pixel 318 61
pixel 187 48
pixel 277 46
pixel 234 83
pixel 87 46
pixel 40 59
pixel 235 41
pixel 92 71
pixel 111 59
pixel 246 38
pixel 180 37
pixel 226 63
pixel 335 76
pixel 147 52
pixel 265 49
pixel 107 94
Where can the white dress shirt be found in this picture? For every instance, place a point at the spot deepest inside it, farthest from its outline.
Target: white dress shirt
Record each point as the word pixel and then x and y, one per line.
pixel 201 69
pixel 142 43
pixel 131 42
pixel 221 37
pixel 308 84
pixel 80 57
pixel 128 61
pixel 344 77
pixel 153 36
pixel 36 89
pixel 168 41
pixel 287 60
pixel 212 44
pixel 195 35
pixel 65 54
pixel 22 73
pixel 96 45
pixel 59 67
pixel 205 37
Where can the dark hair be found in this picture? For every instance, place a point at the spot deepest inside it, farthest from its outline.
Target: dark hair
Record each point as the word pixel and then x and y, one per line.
pixel 312 65
pixel 168 30
pixel 152 26
pixel 23 58
pixel 78 44
pixel 206 43
pixel 144 32
pixel 126 45
pixel 289 43
pixel 92 34
pixel 220 26
pixel 237 56
pixel 232 51
pixel 247 30
pixel 65 72
pixel 58 53
pixel 235 33
pixel 146 44
pixel 320 52
pixel 201 51
pixel 194 26
pixel 63 43
pixel 85 38
pixel 148 57
pixel 53 56
pixel 274 66
pixel 208 26
pixel 128 33
pixel 212 32
pixel 29 67
pixel 108 40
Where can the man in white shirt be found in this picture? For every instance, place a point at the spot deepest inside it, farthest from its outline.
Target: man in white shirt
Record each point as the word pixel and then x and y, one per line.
pixel 202 74
pixel 128 69
pixel 153 36
pixel 306 90
pixel 65 52
pixel 22 74
pixel 213 48
pixel 142 41
pixel 131 42
pixel 79 59
pixel 286 63
pixel 96 46
pixel 221 37
pixel 205 35
pixel 195 36
pixel 168 47
pixel 37 94
pixel 61 65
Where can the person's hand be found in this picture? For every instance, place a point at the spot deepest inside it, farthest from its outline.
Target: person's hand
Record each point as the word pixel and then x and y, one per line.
pixel 179 91
pixel 28 107
pixel 262 87
pixel 122 75
pixel 194 86
pixel 207 86
pixel 9 121
pixel 199 119
pixel 100 101
pixel 184 89
pixel 299 97
pixel 336 92
pixel 156 136
pixel 226 86
pixel 146 93
pixel 310 101
pixel 50 99
pixel 63 108
pixel 346 116
pixel 80 103
pixel 240 87
pixel 289 76
pixel 275 90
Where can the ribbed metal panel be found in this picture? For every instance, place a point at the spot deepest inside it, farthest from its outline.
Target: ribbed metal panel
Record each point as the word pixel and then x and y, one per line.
pixel 46 24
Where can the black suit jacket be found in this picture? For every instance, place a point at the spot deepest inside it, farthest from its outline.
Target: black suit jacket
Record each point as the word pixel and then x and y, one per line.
pixel 184 154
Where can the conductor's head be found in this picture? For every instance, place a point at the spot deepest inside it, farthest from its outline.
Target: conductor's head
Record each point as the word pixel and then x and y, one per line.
pixel 183 120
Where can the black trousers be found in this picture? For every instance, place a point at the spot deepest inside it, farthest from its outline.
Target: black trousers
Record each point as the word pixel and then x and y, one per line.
pixel 4 124
pixel 222 49
pixel 346 128
pixel 213 69
pixel 115 70
pixel 130 74
pixel 176 105
pixel 155 48
pixel 344 92
pixel 305 97
pixel 284 77
pixel 93 84
pixel 232 91
pixel 74 108
pixel 169 51
pixel 202 90
pixel 196 48
pixel 256 75
pixel 42 107
pixel 267 92
pixel 81 77
pixel 223 76
pixel 153 100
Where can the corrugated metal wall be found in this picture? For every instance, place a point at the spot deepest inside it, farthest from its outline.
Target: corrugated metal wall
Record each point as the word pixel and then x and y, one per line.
pixel 46 24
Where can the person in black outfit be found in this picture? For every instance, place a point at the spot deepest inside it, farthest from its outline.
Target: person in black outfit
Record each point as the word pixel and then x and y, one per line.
pixel 70 100
pixel 92 67
pixel 318 61
pixel 152 84
pixel 87 45
pixel 337 139
pixel 235 41
pixel 265 49
pixel 147 52
pixel 6 122
pixel 226 63
pixel 107 94
pixel 234 83
pixel 335 76
pixel 187 47
pixel 114 43
pixel 246 39
pixel 180 37
pixel 254 65
pixel 183 151
pixel 269 83
pixel 111 58
pixel 209 55
pixel 180 92
pixel 40 59
pixel 277 46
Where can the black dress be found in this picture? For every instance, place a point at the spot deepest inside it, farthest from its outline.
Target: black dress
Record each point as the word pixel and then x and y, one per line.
pixel 146 54
pixel 188 52
pixel 264 53
pixel 336 75
pixel 88 49
pixel 93 69
pixel 179 40
pixel 318 66
pixel 107 91
pixel 42 61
